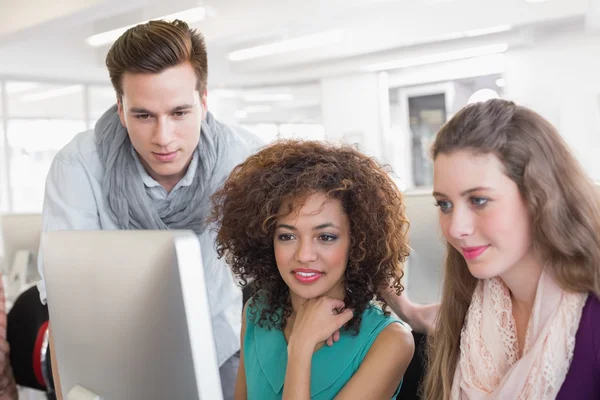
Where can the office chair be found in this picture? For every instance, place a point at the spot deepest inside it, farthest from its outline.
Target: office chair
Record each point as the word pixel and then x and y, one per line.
pixel 413 377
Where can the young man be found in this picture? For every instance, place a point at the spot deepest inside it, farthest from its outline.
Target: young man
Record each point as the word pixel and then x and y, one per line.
pixel 153 160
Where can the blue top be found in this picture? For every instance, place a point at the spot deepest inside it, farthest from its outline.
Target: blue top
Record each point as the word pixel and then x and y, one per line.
pixel 265 358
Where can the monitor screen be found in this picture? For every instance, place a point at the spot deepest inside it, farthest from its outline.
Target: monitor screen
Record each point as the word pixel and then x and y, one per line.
pixel 129 315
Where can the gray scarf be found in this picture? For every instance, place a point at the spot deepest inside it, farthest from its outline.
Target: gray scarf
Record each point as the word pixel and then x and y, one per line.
pixel 125 192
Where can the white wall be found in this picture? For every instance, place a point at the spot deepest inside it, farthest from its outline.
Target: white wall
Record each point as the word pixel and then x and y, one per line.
pixel 560 79
pixel 352 110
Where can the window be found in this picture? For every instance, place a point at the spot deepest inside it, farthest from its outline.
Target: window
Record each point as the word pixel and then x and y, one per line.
pixel 271 131
pixel 44 100
pixel 41 118
pixel 33 143
pixel 426 115
pixel 302 131
pixel 101 98
pixel 4 190
pixel 267 132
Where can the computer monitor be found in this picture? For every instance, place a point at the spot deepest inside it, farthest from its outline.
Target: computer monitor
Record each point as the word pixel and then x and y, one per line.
pixel 129 315
pixel 425 264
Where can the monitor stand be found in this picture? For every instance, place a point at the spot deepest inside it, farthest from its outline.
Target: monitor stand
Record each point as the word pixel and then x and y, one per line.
pixel 81 393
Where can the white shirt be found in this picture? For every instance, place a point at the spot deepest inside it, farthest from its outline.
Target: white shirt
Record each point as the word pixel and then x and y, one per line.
pixel 74 201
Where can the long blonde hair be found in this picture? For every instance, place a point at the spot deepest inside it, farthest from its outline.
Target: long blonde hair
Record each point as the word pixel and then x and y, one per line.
pixel 563 204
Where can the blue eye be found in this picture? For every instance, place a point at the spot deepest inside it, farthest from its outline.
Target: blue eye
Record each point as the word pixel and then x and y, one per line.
pixel 479 201
pixel 444 205
pixel 326 237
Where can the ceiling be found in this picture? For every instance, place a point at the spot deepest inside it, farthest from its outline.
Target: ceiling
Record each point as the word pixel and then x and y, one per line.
pixel 375 29
pixel 44 39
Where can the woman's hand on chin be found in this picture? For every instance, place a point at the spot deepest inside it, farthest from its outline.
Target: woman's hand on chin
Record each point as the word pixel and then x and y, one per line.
pixel 319 320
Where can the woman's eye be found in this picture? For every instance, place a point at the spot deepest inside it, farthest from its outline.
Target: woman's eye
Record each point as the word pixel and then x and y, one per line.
pixel 327 238
pixel 443 205
pixel 479 201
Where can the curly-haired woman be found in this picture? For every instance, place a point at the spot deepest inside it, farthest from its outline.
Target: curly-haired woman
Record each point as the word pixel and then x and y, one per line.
pixel 320 231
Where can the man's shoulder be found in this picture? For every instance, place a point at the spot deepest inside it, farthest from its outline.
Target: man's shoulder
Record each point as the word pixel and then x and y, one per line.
pixel 239 138
pixel 79 157
pixel 81 149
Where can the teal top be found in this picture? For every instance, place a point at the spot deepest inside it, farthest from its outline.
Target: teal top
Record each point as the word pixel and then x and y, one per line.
pixel 265 358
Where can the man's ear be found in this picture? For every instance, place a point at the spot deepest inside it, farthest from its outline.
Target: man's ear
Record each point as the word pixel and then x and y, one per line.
pixel 204 100
pixel 121 112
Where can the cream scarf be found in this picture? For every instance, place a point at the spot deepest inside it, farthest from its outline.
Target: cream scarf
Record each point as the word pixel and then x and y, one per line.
pixel 489 366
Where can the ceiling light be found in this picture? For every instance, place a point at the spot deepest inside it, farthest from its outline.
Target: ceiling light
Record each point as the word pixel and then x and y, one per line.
pixel 285 46
pixel 440 57
pixel 460 35
pixel 500 82
pixel 488 31
pixel 190 16
pixel 483 95
pixel 48 94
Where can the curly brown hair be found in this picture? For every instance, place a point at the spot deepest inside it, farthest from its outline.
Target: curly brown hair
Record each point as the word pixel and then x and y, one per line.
pixel 246 208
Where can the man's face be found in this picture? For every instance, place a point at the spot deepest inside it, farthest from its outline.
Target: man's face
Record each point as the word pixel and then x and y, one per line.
pixel 163 114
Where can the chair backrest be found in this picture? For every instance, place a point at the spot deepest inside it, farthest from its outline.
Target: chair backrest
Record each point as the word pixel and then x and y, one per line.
pixel 20 232
pixel 415 373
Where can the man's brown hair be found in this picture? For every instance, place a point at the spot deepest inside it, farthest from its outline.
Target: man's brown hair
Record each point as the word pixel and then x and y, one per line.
pixel 155 46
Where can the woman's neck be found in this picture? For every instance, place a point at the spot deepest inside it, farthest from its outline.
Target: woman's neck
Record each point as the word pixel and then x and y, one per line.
pixel 522 281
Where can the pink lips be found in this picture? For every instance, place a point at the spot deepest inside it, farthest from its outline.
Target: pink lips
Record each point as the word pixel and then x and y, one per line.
pixel 471 253
pixel 307 276
pixel 165 157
